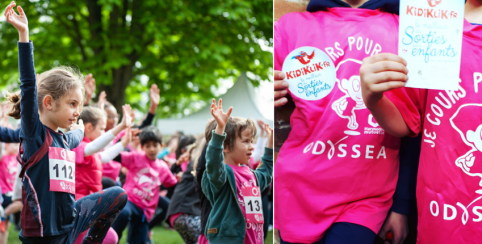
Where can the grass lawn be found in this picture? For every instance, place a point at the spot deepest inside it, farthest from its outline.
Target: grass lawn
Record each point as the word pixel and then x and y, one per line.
pixel 161 236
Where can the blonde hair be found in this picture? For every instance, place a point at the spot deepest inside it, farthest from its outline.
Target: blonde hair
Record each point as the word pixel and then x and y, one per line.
pixel 200 146
pixel 92 115
pixel 56 83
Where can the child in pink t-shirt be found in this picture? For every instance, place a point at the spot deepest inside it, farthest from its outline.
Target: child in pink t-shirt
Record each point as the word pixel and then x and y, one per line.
pixel 8 170
pixel 338 169
pixel 449 176
pixel 146 174
pixel 88 156
pixel 228 175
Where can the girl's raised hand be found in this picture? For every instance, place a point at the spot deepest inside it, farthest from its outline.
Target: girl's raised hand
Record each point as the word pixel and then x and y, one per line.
pixel 18 21
pixel 80 126
pixel 269 132
pixel 102 100
pixel 89 86
pixel 155 98
pixel 220 116
pixel 126 118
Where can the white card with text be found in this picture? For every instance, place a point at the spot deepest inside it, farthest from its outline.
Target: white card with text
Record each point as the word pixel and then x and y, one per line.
pixel 430 39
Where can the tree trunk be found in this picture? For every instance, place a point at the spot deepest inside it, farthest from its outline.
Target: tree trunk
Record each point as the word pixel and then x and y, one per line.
pixel 121 78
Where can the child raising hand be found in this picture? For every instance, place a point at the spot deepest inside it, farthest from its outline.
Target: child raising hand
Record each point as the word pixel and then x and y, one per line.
pixel 231 187
pixel 50 213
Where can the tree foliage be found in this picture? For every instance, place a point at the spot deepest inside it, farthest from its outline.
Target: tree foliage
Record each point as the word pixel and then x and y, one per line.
pixel 185 47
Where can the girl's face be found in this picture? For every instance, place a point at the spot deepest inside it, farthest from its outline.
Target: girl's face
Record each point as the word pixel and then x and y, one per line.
pixel 66 110
pixel 112 117
pixel 92 132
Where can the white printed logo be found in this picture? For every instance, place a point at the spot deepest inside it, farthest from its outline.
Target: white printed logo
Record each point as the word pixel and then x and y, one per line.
pixel 346 106
pixel 471 135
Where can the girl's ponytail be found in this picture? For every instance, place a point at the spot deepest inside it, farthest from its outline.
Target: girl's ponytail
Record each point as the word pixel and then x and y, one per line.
pixel 14 99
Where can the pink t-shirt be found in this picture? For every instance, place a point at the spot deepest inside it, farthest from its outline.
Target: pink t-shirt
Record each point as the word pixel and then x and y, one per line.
pixel 202 239
pixel 143 181
pixel 111 170
pixel 245 178
pixel 88 171
pixel 449 179
pixel 338 164
pixel 8 170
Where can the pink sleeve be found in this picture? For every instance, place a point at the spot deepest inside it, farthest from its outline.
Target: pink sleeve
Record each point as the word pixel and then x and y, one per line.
pixel 128 159
pixel 79 153
pixel 184 166
pixel 118 137
pixel 411 104
pixel 279 51
pixel 166 176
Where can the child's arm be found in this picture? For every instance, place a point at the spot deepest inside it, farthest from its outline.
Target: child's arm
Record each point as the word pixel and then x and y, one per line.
pixel 258 148
pixel 30 123
pixel 265 172
pixel 168 178
pixel 155 98
pixel 215 168
pixel 89 86
pixel 102 141
pixel 75 135
pixel 113 153
pixel 381 73
pixel 8 135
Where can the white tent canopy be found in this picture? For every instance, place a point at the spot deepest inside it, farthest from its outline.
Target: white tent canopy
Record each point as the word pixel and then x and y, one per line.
pixel 242 97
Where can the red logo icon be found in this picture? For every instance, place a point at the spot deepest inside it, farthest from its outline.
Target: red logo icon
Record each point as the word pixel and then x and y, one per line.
pixel 434 3
pixel 301 57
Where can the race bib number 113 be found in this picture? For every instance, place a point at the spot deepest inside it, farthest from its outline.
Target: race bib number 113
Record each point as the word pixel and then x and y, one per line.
pixel 252 201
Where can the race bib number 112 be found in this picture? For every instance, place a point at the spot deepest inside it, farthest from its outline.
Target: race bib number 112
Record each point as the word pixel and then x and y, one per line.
pixel 62 170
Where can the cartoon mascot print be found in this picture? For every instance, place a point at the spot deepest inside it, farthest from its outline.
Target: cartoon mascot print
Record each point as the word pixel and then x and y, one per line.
pixel 346 106
pixel 471 132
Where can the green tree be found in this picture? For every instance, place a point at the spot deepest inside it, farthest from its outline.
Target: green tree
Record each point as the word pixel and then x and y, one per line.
pixel 185 47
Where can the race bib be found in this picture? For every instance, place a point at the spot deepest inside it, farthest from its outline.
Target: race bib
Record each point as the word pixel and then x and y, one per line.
pixel 252 203
pixel 62 170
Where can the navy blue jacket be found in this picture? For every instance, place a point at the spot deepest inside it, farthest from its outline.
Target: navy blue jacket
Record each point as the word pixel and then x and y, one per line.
pixel 404 199
pixel 44 213
pixel 8 135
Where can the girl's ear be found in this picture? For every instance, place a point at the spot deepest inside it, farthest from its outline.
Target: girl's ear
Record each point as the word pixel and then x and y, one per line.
pixel 225 150
pixel 88 128
pixel 48 102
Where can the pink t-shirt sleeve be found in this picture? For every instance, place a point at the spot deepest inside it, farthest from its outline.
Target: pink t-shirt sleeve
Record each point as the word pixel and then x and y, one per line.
pixel 411 104
pixel 280 44
pixel 118 137
pixel 166 176
pixel 79 153
pixel 128 159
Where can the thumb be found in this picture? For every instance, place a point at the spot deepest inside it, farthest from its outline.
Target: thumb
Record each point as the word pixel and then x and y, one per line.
pixel 81 122
pixel 383 232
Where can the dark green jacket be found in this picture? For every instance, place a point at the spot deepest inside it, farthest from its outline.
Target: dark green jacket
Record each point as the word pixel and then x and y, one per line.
pixel 226 223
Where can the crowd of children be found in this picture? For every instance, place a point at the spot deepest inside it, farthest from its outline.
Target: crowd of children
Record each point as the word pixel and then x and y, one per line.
pixel 77 175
